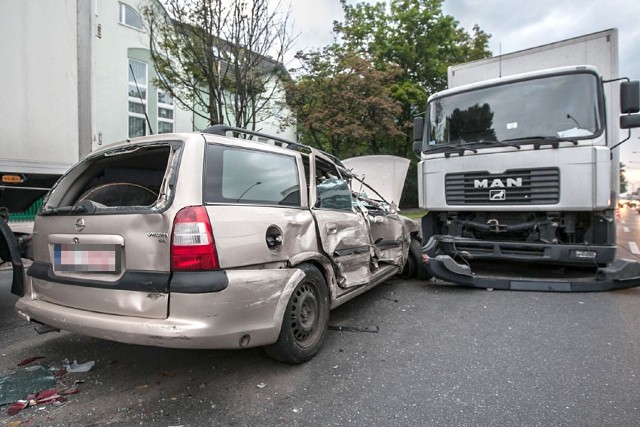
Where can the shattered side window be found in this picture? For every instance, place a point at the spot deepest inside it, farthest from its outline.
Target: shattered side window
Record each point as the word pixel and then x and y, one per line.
pixel 236 175
pixel 333 192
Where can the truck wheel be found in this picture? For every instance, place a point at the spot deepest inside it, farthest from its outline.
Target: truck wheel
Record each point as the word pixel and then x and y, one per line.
pixel 305 321
pixel 414 268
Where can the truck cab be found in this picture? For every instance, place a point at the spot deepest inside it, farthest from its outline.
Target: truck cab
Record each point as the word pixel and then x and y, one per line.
pixel 519 177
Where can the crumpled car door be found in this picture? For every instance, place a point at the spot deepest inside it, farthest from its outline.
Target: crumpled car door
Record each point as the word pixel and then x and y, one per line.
pixel 344 233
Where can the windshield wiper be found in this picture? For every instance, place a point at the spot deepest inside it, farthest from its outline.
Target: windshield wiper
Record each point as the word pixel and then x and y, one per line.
pixel 505 143
pixel 539 141
pixel 448 149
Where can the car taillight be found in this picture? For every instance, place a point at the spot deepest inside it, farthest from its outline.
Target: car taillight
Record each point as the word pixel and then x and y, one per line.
pixel 192 246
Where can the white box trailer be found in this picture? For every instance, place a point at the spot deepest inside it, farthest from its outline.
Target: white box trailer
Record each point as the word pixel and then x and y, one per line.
pixel 45 78
pixel 598 49
pixel 519 170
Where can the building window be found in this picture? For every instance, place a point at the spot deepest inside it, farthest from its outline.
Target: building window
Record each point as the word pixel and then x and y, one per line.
pixel 137 98
pixel 165 112
pixel 130 18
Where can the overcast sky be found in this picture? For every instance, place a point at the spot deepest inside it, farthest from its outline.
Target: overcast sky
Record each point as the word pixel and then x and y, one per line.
pixel 514 25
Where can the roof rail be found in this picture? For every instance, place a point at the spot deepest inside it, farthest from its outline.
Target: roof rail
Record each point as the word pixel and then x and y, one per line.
pixel 224 129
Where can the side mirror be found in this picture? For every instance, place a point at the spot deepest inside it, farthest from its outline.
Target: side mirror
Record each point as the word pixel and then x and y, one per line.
pixel 630 104
pixel 418 130
pixel 630 97
pixel 630 121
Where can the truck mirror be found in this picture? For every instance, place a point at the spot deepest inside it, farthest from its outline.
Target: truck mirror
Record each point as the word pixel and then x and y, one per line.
pixel 630 121
pixel 418 128
pixel 417 147
pixel 629 97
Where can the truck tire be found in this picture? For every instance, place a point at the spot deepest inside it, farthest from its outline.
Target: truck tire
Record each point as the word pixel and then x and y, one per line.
pixel 305 321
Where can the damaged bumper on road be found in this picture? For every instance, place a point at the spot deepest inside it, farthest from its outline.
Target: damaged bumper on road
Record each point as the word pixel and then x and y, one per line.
pixel 508 275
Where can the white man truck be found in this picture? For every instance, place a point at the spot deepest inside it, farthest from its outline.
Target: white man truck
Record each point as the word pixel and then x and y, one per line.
pixel 519 169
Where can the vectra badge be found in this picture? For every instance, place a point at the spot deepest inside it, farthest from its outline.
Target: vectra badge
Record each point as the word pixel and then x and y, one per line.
pixel 79 224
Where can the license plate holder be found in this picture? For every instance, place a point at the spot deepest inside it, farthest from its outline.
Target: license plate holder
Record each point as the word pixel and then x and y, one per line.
pixel 87 258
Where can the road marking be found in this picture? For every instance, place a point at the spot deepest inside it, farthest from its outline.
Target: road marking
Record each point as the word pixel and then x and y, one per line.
pixel 634 248
pixel 625 229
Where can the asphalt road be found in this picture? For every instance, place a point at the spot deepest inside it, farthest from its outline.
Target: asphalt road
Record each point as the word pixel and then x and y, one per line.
pixel 443 356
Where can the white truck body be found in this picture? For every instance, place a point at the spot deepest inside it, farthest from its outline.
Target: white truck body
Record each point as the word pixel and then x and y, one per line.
pixel 47 108
pixel 518 161
pixel 65 86
pixel 42 98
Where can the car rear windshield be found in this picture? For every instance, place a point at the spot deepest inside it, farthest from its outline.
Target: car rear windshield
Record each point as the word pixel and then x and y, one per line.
pixel 121 179
pixel 244 176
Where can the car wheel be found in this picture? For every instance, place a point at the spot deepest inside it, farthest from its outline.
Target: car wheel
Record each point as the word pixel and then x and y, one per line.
pixel 305 321
pixel 419 271
pixel 409 270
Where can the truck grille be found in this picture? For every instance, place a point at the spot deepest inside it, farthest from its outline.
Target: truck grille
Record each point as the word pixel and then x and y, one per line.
pixel 514 187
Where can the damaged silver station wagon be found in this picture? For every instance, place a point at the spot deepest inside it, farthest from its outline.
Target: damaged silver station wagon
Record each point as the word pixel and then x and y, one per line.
pixel 205 240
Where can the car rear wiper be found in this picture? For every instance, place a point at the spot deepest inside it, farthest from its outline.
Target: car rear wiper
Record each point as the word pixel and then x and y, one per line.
pixel 77 209
pixel 539 141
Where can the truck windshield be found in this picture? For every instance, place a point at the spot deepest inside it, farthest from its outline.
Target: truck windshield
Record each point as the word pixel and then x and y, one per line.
pixel 556 107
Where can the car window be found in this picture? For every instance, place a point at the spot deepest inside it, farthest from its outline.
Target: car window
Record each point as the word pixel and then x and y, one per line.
pixel 332 191
pixel 236 175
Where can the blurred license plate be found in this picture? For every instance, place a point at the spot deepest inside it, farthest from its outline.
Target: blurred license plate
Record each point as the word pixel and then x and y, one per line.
pixel 95 258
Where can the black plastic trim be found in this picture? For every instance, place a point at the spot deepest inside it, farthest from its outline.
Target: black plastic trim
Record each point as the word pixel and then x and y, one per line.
pixel 199 282
pixel 523 251
pixel 189 282
pixel 352 251
pixel 620 274
pixel 9 248
pixel 131 280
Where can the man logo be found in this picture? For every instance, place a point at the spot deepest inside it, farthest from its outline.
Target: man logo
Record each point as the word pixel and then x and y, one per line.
pixel 497 195
pixel 497 183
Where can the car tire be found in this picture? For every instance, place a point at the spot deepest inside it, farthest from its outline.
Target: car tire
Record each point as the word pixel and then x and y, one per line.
pixel 305 321
pixel 409 270
pixel 415 268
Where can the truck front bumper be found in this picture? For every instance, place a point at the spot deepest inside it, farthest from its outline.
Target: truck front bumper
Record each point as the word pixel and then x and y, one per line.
pixel 442 264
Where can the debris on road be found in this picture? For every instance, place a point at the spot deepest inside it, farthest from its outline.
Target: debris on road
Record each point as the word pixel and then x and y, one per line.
pixel 29 360
pixel 17 385
pixel 38 385
pixel 79 367
pixel 373 329
pixel 390 298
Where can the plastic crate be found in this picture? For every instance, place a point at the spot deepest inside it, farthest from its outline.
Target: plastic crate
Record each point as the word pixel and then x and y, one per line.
pixel 28 215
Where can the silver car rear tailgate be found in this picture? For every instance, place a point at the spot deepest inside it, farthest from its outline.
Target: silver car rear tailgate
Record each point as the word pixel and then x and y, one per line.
pixel 116 264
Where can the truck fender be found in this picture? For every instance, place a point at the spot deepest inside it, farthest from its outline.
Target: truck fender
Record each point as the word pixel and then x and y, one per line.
pixel 10 251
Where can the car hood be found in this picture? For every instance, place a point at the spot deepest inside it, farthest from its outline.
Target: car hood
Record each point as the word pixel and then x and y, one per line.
pixel 385 174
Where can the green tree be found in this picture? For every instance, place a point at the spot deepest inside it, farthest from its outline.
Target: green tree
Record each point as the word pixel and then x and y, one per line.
pixel 419 38
pixel 344 102
pixel 409 42
pixel 220 59
pixel 623 179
